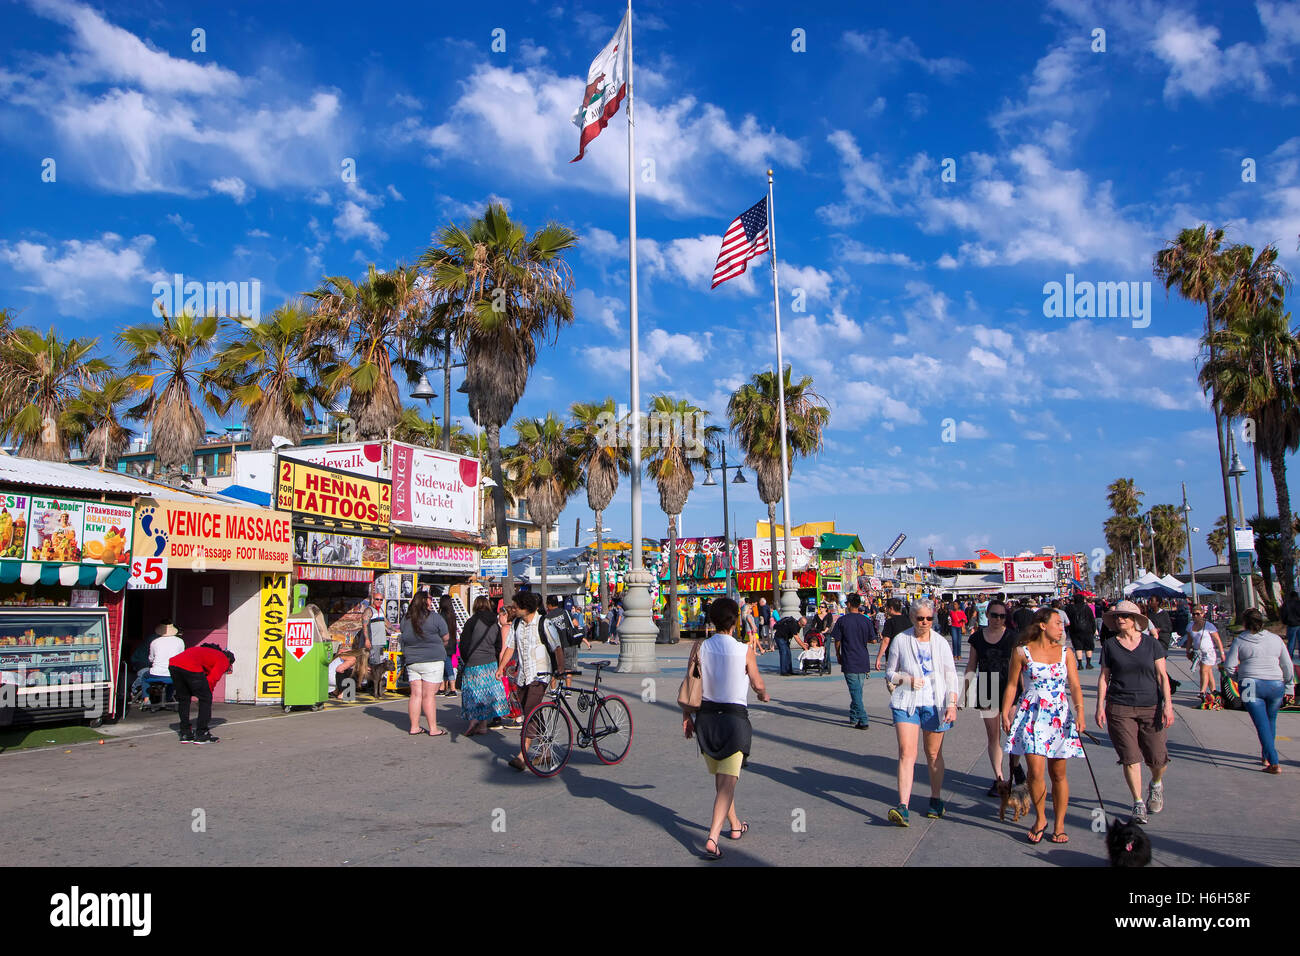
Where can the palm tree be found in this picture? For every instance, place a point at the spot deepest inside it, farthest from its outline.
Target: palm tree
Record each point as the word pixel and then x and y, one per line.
pixel 95 412
pixel 39 378
pixel 1170 537
pixel 506 292
pixel 1217 539
pixel 172 355
pixel 1125 528
pixel 1268 552
pixel 668 463
pixel 602 457
pixel 1255 371
pixel 754 414
pixel 269 369
pixel 546 471
pixel 372 325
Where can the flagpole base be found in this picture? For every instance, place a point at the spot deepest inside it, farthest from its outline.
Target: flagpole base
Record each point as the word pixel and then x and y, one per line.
pixel 637 633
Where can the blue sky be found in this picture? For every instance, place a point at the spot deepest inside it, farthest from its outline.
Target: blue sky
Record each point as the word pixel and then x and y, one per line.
pixel 923 299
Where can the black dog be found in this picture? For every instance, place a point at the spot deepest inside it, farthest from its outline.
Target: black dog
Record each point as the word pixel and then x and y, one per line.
pixel 1128 844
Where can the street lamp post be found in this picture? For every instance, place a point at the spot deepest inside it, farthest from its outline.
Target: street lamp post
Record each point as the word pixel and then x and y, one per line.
pixel 1235 471
pixel 1187 523
pixel 600 557
pixel 726 511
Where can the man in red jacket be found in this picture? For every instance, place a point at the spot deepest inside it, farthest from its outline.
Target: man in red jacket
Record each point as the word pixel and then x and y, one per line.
pixel 195 673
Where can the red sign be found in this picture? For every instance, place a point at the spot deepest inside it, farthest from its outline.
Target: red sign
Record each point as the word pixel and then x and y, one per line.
pixel 298 638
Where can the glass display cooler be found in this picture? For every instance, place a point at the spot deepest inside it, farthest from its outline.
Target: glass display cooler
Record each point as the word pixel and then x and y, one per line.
pixel 56 662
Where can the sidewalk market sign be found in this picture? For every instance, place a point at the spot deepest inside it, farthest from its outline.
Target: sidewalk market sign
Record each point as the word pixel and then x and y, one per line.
pixel 435 490
pixel 755 554
pixel 1029 572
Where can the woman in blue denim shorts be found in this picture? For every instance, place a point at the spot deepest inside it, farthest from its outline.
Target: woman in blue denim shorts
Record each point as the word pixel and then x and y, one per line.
pixel 923 677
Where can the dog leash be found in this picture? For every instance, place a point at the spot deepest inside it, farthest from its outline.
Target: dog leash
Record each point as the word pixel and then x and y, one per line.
pixel 1096 788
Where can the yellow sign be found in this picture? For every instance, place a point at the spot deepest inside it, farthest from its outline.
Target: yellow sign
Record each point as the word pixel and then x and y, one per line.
pixel 327 496
pixel 204 536
pixel 274 609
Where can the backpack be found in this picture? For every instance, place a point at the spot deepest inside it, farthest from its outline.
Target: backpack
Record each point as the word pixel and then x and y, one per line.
pixel 564 624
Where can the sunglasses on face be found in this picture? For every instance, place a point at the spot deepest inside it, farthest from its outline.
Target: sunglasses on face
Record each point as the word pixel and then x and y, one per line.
pixel 920 619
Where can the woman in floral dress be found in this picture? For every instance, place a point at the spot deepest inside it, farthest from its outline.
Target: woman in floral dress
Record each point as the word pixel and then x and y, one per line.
pixel 1045 728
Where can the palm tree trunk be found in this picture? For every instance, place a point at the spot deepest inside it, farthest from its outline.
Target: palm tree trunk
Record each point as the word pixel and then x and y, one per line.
pixel 545 535
pixel 600 558
pixel 771 528
pixel 1286 569
pixel 1259 480
pixel 671 607
pixel 499 505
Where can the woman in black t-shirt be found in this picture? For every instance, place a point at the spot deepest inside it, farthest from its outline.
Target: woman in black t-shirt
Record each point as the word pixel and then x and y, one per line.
pixel 990 659
pixel 1133 679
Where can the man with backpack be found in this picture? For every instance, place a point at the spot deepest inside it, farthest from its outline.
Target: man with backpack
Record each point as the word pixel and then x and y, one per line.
pixel 563 635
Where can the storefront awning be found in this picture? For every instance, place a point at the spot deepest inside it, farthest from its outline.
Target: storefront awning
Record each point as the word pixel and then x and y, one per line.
pixel 67 575
pixel 839 542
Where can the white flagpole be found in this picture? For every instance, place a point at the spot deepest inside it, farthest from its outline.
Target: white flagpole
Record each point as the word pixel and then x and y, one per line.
pixel 789 587
pixel 637 633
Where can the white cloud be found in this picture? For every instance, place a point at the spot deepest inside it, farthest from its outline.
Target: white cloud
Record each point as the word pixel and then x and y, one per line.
pixel 599 309
pixel 1175 348
pixel 353 222
pixel 134 119
pixel 518 121
pixel 660 352
pixel 966 429
pixel 878 47
pixel 392 191
pixel 231 186
pixel 853 251
pixel 80 274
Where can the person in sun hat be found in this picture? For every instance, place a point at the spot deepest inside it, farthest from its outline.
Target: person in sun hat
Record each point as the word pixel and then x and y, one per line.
pixel 1134 676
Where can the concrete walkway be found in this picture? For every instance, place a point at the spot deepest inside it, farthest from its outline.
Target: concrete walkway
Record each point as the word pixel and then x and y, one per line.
pixel 348 786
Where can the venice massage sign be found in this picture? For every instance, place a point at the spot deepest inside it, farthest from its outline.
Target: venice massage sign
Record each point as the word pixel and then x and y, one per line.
pixel 324 496
pixel 204 536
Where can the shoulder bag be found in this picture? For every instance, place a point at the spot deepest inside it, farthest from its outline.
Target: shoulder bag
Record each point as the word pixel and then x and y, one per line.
pixel 690 696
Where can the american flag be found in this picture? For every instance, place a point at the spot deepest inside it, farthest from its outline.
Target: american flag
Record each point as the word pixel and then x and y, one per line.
pixel 745 238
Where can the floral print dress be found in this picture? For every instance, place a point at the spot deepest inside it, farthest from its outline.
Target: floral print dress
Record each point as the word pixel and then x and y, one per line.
pixel 1043 724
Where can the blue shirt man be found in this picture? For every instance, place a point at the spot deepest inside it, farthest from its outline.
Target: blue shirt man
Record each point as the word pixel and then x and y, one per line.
pixel 852 634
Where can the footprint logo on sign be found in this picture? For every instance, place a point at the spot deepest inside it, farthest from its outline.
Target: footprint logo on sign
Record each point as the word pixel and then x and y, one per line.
pixel 158 534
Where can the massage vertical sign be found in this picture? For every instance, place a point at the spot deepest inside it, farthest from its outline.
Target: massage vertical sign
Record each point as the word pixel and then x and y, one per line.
pixel 270 637
pixel 326 497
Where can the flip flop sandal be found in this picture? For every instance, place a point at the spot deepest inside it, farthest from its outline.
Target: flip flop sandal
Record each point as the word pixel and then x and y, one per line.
pixel 744 828
pixel 440 733
pixel 715 853
pixel 1036 836
pixel 1059 838
pixel 416 733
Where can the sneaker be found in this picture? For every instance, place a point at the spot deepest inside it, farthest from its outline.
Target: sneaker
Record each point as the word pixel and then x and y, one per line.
pixel 1018 774
pixel 205 739
pixel 1139 812
pixel 1156 797
pixel 187 736
pixel 936 809
pixel 898 815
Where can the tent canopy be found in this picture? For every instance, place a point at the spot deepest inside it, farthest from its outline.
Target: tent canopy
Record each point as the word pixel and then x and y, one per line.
pixel 1154 589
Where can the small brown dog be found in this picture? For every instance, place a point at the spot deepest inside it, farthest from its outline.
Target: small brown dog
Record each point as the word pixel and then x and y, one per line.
pixel 1015 797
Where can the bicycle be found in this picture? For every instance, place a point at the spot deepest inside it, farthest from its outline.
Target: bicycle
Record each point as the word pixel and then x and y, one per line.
pixel 547 735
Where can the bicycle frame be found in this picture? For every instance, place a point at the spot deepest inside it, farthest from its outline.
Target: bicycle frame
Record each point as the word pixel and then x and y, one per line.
pixel 588 699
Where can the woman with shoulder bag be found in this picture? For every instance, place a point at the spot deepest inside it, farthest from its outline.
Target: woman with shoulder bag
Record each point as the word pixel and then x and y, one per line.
pixel 482 695
pixel 1134 703
pixel 728 667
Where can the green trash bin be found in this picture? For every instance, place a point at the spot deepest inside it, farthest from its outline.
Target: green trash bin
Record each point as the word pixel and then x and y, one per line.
pixel 307 652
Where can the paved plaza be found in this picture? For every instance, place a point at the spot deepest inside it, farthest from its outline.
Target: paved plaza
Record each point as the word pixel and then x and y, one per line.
pixel 347 786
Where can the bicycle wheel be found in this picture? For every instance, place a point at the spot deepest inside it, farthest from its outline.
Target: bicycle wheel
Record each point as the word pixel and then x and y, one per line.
pixel 611 729
pixel 547 739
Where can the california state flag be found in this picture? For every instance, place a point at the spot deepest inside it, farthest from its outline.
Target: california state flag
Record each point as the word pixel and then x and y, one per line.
pixel 606 87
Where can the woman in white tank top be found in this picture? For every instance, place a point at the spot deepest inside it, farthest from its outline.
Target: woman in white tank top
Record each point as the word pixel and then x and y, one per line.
pixel 728 668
